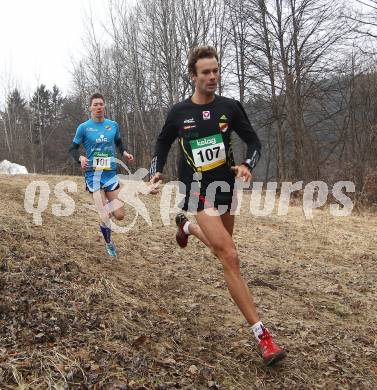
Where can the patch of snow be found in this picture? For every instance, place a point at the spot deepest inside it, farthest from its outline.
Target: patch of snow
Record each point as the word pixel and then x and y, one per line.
pixel 9 168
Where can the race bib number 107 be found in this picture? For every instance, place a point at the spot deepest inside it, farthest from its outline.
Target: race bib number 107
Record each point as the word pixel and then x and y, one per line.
pixel 208 152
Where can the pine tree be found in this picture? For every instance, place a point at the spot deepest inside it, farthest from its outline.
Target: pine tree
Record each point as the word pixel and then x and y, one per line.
pixel 42 116
pixel 15 124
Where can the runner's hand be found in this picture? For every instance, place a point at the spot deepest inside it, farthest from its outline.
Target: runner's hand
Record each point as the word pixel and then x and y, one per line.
pixel 128 157
pixel 242 171
pixel 83 162
pixel 155 182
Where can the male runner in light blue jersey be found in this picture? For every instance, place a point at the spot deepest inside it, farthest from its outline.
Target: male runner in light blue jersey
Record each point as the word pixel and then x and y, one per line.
pixel 99 137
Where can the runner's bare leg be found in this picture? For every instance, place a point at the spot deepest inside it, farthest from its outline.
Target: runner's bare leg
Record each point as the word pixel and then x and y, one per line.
pixel 223 246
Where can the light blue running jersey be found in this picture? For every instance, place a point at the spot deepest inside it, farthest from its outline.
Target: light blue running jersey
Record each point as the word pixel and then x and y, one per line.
pixel 98 139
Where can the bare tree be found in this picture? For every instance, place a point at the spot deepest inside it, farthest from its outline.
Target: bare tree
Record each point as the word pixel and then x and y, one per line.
pixel 292 49
pixel 278 57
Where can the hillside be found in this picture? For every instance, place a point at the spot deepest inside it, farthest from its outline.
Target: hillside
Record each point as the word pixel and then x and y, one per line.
pixel 160 317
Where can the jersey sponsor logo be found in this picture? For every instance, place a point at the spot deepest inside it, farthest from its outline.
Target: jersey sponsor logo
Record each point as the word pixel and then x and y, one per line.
pixel 189 127
pixel 108 127
pixel 188 121
pixel 223 127
pixel 223 124
pixel 206 141
pixel 206 115
pixel 91 129
pixel 101 139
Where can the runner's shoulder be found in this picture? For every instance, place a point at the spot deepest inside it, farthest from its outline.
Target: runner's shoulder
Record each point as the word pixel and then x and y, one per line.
pixel 227 101
pixel 109 122
pixel 177 107
pixel 84 125
pixel 183 105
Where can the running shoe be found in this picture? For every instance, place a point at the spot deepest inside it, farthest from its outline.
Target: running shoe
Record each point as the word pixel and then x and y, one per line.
pixel 271 353
pixel 181 236
pixel 111 249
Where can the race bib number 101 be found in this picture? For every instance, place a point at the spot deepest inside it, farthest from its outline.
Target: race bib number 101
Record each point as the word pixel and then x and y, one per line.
pixel 208 152
pixel 101 161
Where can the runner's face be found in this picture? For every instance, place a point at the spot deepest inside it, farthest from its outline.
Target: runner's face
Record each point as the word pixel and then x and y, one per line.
pixel 207 76
pixel 97 108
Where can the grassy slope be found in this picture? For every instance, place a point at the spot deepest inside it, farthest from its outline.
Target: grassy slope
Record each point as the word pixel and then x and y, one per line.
pixel 161 318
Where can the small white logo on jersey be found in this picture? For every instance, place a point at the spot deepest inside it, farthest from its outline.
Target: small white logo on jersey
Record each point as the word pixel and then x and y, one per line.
pixel 101 139
pixel 188 121
pixel 206 115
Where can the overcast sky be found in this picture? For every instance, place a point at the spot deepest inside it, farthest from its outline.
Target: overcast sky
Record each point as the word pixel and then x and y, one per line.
pixel 39 38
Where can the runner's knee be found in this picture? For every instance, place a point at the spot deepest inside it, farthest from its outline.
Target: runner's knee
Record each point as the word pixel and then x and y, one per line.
pixel 229 258
pixel 119 214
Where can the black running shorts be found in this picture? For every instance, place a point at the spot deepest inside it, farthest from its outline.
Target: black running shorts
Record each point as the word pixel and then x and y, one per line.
pixel 199 199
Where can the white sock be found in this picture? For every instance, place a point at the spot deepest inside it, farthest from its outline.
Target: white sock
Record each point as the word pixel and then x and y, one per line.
pixel 258 328
pixel 186 228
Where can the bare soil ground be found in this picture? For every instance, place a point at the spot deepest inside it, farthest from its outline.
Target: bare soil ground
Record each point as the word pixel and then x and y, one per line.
pixel 160 317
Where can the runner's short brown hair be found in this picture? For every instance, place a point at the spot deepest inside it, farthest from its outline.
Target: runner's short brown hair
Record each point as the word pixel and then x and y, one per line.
pixel 96 96
pixel 200 52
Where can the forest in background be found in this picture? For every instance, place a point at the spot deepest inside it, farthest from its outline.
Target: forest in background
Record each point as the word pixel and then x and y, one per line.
pixel 305 71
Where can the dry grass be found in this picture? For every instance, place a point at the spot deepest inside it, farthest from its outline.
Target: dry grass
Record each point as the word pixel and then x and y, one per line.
pixel 161 318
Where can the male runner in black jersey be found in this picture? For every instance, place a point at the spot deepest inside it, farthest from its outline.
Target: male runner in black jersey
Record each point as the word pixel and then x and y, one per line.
pixel 203 125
